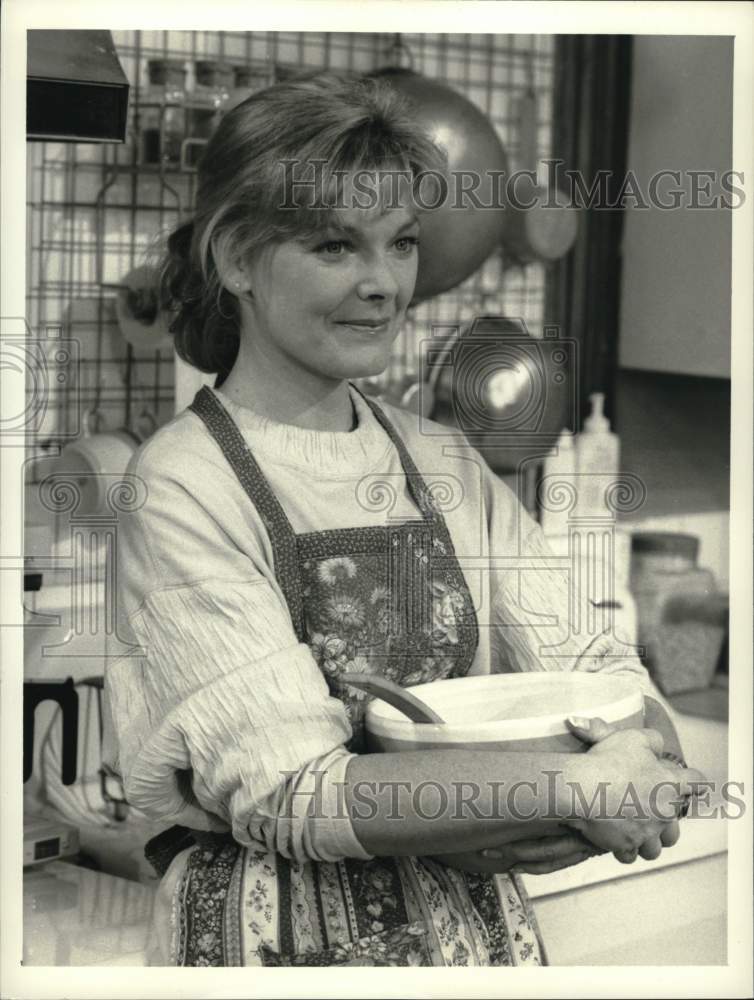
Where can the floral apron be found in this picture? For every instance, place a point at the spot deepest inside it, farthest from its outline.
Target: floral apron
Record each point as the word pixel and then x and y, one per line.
pixel 390 600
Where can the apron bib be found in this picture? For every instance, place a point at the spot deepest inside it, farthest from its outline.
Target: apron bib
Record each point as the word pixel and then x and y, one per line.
pixel 390 600
pixel 387 600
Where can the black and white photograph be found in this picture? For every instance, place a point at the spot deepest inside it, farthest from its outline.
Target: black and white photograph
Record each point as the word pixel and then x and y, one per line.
pixel 376 499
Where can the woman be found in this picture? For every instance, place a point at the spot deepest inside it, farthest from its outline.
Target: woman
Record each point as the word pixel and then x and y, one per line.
pixel 266 563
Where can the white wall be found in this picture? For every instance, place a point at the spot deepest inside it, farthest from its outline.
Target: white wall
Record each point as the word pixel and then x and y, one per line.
pixel 675 301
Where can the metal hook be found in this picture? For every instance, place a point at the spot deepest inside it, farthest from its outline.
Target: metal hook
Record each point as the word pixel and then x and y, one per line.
pixel 397 49
pixel 145 424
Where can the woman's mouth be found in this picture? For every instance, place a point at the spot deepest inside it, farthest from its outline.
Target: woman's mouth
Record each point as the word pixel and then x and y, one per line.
pixel 368 326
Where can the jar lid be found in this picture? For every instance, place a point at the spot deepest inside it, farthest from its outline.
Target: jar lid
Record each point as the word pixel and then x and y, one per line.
pixel 212 74
pixel 666 543
pixel 166 71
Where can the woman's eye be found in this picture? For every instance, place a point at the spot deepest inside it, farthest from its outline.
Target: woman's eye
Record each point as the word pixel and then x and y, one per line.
pixel 406 244
pixel 333 248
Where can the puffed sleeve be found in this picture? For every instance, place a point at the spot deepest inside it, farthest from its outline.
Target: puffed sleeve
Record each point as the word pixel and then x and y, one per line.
pixel 535 607
pixel 219 718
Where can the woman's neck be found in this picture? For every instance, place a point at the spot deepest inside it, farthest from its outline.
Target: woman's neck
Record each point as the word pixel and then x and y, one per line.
pixel 292 397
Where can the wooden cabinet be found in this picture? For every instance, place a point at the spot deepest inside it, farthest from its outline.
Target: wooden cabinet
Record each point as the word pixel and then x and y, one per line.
pixel 676 262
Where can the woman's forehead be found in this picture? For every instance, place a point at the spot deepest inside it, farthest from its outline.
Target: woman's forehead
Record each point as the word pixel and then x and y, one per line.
pixel 364 197
pixel 384 215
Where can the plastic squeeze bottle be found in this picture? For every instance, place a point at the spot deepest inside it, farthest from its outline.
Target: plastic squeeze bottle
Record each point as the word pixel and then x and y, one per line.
pixel 559 478
pixel 597 457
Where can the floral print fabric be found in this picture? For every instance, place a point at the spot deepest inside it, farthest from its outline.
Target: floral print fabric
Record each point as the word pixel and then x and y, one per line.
pixel 390 600
pixel 355 625
pixel 247 906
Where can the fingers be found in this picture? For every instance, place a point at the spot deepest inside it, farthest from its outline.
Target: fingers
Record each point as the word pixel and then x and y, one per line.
pixel 651 849
pixel 670 833
pixel 589 730
pixel 553 865
pixel 687 783
pixel 544 848
pixel 477 862
pixel 628 856
pixel 654 740
pixel 689 778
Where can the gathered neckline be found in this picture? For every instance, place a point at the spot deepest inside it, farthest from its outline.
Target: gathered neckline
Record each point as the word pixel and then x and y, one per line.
pixel 333 454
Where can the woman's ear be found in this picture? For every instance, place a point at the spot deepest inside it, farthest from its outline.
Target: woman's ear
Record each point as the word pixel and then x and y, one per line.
pixel 236 281
pixel 233 276
pixel 240 288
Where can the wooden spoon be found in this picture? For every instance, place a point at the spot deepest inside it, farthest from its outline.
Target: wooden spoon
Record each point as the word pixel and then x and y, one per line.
pixel 380 687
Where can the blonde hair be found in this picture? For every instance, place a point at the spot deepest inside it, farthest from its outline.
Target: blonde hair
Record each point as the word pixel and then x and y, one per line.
pixel 245 196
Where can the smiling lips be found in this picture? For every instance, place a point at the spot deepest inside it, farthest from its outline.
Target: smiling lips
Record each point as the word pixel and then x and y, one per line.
pixel 371 324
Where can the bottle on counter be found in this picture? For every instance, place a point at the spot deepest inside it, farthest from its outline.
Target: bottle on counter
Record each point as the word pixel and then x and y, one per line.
pixel 559 478
pixel 597 456
pixel 163 120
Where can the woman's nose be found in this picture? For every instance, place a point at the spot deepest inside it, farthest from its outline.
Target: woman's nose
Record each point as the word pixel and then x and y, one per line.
pixel 379 280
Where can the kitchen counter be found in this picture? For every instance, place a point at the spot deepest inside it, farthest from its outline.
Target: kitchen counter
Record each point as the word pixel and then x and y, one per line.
pixel 666 912
pixel 671 911
pixel 77 917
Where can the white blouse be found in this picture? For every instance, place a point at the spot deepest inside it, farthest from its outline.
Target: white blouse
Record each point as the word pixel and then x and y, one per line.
pixel 221 719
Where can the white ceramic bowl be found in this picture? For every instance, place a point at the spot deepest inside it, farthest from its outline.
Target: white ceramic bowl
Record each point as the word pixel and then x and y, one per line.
pixel 94 462
pixel 507 712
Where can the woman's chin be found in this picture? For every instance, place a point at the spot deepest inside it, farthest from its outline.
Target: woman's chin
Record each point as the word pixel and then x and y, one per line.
pixel 362 365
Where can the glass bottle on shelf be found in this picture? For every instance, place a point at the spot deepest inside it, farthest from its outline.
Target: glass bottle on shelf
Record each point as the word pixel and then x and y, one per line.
pixel 247 81
pixel 207 103
pixel 163 121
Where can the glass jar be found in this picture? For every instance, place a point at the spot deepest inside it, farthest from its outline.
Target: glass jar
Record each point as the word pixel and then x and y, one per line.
pixel 677 605
pixel 661 552
pixel 163 121
pixel 207 103
pixel 209 98
pixel 247 80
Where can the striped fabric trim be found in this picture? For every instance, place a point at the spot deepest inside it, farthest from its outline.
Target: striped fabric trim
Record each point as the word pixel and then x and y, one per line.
pixel 259 904
pixel 524 943
pixel 301 915
pixel 232 922
pixel 285 923
pixel 484 898
pixel 457 889
pixel 336 922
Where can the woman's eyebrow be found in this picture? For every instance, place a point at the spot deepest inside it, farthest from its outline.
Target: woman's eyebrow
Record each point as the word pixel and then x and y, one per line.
pixel 413 221
pixel 347 230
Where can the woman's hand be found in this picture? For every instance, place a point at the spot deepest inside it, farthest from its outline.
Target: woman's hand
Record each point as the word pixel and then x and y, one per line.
pixel 535 856
pixel 636 817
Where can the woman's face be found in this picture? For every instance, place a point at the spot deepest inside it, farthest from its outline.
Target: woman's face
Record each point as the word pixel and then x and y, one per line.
pixel 331 306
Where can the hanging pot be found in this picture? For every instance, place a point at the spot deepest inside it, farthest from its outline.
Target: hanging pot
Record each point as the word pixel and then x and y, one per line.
pixel 143 325
pixel 94 459
pixel 455 241
pixel 509 392
pixel 539 224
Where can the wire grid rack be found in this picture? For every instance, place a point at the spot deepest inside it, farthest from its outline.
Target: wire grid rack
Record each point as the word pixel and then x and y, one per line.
pixel 94 211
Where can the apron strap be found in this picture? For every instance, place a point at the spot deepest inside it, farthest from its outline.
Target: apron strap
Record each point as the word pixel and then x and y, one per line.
pixel 223 429
pixel 420 493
